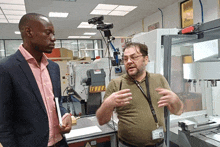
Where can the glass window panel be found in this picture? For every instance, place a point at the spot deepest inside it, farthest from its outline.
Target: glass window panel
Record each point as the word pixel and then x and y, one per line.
pixel 71 45
pixel 58 44
pixel 98 45
pixel 189 78
pixel 86 49
pixel 11 46
pixel 2 50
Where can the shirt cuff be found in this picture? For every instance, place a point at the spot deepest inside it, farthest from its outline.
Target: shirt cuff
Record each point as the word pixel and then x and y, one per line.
pixel 65 115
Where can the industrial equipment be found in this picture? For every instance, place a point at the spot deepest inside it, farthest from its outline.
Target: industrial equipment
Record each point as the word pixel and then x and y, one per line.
pixel 89 81
pixel 191 66
pixel 202 132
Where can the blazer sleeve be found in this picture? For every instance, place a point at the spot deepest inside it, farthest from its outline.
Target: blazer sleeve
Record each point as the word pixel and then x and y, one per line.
pixel 6 109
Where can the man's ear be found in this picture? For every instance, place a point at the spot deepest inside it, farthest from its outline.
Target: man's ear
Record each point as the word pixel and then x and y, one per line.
pixel 146 59
pixel 29 32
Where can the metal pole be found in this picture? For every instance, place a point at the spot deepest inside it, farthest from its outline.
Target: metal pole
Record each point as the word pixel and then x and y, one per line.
pixel 167 74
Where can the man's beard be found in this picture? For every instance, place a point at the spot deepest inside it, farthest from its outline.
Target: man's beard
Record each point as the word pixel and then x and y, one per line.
pixel 135 74
pixel 45 51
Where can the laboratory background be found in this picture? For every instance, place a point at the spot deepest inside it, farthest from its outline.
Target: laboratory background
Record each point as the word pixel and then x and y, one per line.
pixel 183 44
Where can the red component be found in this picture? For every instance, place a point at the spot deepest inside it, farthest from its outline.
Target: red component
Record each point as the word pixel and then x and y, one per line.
pixel 188 30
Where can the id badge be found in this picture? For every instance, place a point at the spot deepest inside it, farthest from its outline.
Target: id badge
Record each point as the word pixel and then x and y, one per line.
pixel 158 133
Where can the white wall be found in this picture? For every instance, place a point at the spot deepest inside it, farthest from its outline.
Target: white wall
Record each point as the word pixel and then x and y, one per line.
pixel 210 10
pixel 171 16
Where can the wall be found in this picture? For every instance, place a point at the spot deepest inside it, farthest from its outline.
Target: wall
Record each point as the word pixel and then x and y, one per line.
pixel 171 16
pixel 210 10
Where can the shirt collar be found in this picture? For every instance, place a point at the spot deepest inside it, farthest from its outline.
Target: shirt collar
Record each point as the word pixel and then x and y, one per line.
pixel 29 57
pixel 130 79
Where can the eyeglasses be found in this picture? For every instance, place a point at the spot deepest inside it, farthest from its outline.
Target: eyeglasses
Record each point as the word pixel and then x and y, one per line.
pixel 132 58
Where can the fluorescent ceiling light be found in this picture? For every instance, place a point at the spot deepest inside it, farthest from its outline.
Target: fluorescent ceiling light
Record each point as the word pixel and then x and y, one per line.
pixel 100 12
pixel 17 32
pixel 73 36
pixel 3 21
pixel 11 12
pixel 89 33
pixel 2 16
pixel 85 25
pixel 118 13
pixel 12 7
pixel 118 10
pixel 13 21
pixel 94 27
pixel 58 14
pixel 85 36
pixel 12 2
pixel 79 36
pixel 13 17
pixel 125 8
pixel 105 7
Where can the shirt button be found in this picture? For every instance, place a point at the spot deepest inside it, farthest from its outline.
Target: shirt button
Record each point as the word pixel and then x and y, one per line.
pixel 45 84
pixel 48 98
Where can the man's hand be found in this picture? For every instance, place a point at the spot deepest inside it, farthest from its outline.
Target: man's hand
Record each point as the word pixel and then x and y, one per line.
pixel 67 123
pixel 119 98
pixel 116 99
pixel 171 100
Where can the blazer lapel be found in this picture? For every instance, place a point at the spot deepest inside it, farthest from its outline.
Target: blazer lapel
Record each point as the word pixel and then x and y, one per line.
pixel 28 73
pixel 52 71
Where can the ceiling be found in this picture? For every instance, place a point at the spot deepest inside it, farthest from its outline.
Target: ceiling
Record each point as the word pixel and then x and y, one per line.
pixel 79 11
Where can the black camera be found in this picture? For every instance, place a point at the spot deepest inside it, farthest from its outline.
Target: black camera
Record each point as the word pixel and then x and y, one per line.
pixel 104 26
pixel 96 20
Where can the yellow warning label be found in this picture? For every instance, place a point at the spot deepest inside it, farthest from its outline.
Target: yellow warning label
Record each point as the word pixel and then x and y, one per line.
pixel 96 89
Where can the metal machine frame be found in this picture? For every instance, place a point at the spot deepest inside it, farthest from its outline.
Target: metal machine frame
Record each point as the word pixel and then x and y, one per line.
pixel 205 32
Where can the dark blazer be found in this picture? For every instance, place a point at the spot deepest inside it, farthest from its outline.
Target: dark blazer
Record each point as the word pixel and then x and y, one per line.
pixel 23 116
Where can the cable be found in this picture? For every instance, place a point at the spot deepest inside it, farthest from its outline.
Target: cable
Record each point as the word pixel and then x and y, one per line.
pixel 201 10
pixel 161 15
pixel 65 90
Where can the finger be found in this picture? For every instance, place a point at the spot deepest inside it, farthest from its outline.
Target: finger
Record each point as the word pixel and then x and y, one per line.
pixel 166 97
pixel 123 100
pixel 162 101
pixel 163 105
pixel 123 96
pixel 123 91
pixel 164 92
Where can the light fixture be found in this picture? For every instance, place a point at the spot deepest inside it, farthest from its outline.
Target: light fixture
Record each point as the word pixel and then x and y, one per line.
pixel 86 25
pixel 116 10
pixel 118 13
pixel 12 11
pixel 79 36
pixel 85 36
pixel 17 32
pixel 58 14
pixel 12 7
pixel 100 12
pixel 89 33
pixel 13 21
pixel 105 7
pixel 125 8
pixel 73 36
pixel 20 2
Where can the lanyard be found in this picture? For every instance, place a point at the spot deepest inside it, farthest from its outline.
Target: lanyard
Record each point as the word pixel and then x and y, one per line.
pixel 148 98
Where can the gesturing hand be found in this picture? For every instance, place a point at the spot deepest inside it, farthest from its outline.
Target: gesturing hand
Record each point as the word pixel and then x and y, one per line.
pixel 119 98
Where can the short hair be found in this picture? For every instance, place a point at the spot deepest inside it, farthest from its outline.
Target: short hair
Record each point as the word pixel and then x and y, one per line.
pixel 25 20
pixel 143 48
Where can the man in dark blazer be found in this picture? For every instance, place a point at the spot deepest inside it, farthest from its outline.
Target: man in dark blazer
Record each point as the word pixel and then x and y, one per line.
pixel 24 115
